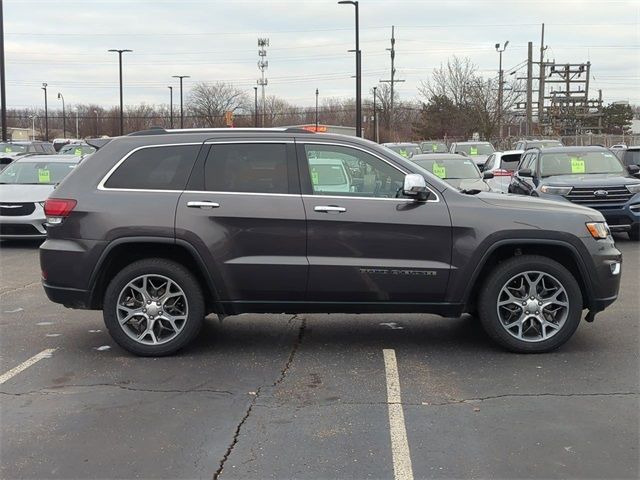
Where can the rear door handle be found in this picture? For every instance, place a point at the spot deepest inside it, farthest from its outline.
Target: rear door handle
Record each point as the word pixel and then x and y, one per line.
pixel 329 209
pixel 203 205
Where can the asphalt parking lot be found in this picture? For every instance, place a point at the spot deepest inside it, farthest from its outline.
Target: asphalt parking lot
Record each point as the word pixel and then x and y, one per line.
pixel 313 396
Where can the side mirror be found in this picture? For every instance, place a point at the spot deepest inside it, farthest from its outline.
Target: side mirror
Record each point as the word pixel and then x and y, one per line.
pixel 633 169
pixel 487 175
pixel 415 187
pixel 525 172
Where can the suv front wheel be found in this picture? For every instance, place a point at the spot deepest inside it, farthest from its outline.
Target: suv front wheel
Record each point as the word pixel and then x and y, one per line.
pixel 153 307
pixel 530 304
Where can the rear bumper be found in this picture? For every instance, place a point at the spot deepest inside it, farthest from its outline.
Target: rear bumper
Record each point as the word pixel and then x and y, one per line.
pixel 69 297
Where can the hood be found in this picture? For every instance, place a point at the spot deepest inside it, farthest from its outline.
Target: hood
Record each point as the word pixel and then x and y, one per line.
pixel 522 202
pixel 590 180
pixel 469 184
pixel 25 193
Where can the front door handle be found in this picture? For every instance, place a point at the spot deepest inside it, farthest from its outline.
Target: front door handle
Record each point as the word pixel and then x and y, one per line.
pixel 203 205
pixel 329 209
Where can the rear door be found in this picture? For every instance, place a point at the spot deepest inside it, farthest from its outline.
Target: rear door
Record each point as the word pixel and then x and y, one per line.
pixel 244 213
pixel 366 245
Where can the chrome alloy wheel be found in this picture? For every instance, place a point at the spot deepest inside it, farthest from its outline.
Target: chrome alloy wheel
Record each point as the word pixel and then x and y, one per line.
pixel 152 309
pixel 533 306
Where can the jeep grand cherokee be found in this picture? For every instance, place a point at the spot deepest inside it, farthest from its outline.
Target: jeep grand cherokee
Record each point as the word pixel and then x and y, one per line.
pixel 159 228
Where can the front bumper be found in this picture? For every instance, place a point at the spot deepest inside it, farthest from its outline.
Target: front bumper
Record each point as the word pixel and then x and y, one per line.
pixel 23 227
pixel 604 273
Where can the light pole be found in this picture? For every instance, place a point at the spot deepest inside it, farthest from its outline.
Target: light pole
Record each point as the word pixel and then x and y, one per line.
pixel 120 52
pixel 181 77
pixel 255 107
pixel 170 106
pixel 500 86
pixel 317 109
pixel 375 115
pixel 46 113
pixel 33 126
pixel 96 112
pixel 3 91
pixel 358 68
pixel 64 121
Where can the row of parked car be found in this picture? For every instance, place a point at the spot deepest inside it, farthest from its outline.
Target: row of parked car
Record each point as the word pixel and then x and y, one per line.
pixel 593 176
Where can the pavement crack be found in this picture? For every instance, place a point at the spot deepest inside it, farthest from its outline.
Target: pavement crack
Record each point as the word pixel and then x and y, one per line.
pixel 11 290
pixel 57 390
pixel 281 377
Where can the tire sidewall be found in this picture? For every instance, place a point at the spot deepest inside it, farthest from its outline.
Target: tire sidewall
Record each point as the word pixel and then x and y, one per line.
pixel 506 271
pixel 178 274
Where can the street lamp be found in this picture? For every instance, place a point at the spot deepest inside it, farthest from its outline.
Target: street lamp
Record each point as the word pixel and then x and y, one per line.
pixel 255 107
pixel 358 68
pixel 46 116
pixel 181 109
pixel 33 126
pixel 64 121
pixel 375 115
pixel 317 109
pixel 170 106
pixel 96 112
pixel 500 49
pixel 120 52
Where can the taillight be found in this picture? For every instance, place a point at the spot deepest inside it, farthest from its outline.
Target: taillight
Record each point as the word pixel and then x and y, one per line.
pixel 502 173
pixel 57 209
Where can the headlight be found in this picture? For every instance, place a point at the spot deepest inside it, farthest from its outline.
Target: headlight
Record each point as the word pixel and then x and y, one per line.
pixel 598 230
pixel 635 188
pixel 555 190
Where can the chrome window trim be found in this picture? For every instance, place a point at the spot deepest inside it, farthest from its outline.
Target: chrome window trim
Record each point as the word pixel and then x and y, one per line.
pixel 122 160
pixel 204 192
pixel 225 142
pixel 401 170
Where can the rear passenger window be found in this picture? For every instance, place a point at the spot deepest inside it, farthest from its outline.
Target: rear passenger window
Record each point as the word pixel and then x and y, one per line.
pixel 247 167
pixel 156 168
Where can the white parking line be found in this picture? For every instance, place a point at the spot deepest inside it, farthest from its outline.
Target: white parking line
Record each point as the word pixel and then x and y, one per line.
pixel 26 364
pixel 399 445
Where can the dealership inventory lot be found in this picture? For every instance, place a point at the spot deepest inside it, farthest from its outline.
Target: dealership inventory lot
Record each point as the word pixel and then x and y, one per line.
pixel 281 396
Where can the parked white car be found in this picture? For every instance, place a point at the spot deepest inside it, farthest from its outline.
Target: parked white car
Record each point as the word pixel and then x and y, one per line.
pixel 502 165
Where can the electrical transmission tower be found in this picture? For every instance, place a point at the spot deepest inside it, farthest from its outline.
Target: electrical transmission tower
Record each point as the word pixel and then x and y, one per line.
pixel 263 43
pixel 392 81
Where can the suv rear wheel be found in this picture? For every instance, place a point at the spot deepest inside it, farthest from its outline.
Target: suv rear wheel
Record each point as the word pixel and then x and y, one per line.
pixel 153 307
pixel 530 304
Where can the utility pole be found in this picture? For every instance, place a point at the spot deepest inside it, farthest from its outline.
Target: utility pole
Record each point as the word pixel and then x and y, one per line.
pixel 181 77
pixel 263 64
pixel 46 113
pixel 317 92
pixel 500 86
pixel 358 67
pixel 255 107
pixel 64 119
pixel 375 115
pixel 392 81
pixel 3 91
pixel 120 52
pixel 77 124
pixel 600 111
pixel 529 107
pixel 541 82
pixel 170 106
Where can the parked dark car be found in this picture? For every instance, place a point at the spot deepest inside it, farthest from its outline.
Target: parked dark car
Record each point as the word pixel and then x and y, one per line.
pixel 9 151
pixel 629 156
pixel 541 144
pixel 433 147
pixel 159 228
pixel 457 170
pixel 78 149
pixel 589 176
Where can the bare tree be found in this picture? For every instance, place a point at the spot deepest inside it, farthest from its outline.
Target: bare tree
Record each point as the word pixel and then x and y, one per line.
pixel 210 101
pixel 451 80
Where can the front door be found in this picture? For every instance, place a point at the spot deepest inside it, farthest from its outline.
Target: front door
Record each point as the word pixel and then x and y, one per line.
pixel 363 243
pixel 243 212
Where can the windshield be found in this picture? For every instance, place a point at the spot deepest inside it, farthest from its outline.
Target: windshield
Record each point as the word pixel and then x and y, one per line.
pixel 433 147
pixel 12 148
pixel 579 163
pixel 450 168
pixel 475 148
pixel 36 173
pixel 544 144
pixel 406 151
pixel 76 150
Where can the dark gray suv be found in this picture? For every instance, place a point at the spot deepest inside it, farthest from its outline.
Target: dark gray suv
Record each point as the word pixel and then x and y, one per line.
pixel 160 228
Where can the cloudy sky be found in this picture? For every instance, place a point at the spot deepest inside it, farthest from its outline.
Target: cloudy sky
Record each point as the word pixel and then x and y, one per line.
pixel 65 43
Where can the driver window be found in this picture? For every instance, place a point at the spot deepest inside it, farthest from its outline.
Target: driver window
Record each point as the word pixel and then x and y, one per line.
pixel 343 171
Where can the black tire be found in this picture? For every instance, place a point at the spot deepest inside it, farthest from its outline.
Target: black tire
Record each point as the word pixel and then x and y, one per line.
pixel 634 233
pixel 176 273
pixel 488 298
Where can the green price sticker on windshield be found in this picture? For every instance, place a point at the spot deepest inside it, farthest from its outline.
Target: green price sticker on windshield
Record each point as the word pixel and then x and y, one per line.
pixel 439 171
pixel 473 150
pixel 577 166
pixel 77 151
pixel 44 176
pixel 7 150
pixel 315 177
pixel 404 153
pixel 434 147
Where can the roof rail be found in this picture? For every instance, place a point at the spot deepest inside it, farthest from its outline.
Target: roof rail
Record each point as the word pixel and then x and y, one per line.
pixel 164 131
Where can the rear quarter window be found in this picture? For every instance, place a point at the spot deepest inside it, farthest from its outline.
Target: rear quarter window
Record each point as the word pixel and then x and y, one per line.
pixel 155 168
